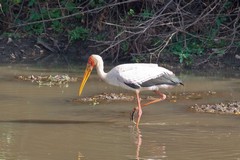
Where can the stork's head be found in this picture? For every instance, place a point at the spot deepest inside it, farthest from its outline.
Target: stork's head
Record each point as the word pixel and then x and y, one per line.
pixel 92 62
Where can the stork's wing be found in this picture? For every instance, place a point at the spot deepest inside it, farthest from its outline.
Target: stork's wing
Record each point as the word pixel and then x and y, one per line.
pixel 144 76
pixel 164 79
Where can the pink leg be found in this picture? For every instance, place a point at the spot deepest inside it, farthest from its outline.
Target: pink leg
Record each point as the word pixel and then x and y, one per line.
pixel 162 97
pixel 139 109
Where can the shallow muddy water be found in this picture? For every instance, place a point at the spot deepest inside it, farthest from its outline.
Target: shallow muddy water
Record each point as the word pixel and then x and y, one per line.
pixel 42 123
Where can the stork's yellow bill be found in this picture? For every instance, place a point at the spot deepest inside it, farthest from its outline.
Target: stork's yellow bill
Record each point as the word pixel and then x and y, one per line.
pixel 87 73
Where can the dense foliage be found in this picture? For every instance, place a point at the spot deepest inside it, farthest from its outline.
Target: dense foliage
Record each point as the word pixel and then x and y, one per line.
pixel 146 30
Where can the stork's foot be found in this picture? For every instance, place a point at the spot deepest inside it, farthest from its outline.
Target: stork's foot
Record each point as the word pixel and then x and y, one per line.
pixel 132 115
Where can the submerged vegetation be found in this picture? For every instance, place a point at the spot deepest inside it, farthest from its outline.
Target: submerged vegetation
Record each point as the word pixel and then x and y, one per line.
pixel 220 108
pixel 49 80
pixel 187 32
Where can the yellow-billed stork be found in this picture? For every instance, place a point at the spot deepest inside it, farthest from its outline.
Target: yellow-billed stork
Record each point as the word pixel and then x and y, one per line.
pixel 133 76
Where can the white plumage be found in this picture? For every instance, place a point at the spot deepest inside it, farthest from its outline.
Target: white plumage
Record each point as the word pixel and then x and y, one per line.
pixel 136 74
pixel 133 76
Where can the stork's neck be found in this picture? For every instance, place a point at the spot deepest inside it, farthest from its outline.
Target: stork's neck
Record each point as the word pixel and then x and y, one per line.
pixel 100 71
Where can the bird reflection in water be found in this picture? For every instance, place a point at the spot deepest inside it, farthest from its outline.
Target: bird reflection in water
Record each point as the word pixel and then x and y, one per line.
pixel 159 151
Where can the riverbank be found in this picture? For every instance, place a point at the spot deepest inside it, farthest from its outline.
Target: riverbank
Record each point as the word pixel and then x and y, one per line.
pixel 52 52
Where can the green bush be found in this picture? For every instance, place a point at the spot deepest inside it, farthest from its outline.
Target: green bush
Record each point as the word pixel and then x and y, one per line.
pixel 78 33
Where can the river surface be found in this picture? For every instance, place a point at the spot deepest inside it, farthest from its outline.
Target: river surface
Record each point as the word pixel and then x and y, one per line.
pixel 42 123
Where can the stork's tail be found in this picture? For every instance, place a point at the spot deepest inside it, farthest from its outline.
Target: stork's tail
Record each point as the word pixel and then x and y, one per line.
pixel 176 80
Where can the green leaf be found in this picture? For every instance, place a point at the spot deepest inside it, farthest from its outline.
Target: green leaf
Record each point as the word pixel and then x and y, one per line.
pixel 16 1
pixel 79 33
pixel 131 12
pixel 55 13
pixel 70 6
pixel 146 14
pixel 34 15
pixel 31 3
pixel 57 26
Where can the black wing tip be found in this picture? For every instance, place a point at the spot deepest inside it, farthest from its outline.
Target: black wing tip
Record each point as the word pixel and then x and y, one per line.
pixel 181 83
pixel 132 85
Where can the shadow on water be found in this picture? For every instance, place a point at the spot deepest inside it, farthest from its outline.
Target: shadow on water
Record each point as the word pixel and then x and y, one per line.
pixel 49 122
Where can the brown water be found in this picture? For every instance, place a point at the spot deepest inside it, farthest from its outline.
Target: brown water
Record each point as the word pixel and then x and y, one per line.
pixel 41 123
